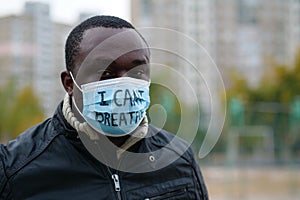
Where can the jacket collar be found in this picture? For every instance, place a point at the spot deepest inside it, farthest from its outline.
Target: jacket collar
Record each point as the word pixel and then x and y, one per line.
pixel 61 124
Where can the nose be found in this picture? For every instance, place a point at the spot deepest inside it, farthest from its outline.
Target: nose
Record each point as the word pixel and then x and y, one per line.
pixel 121 73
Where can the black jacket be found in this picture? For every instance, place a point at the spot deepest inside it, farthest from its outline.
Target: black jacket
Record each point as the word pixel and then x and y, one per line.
pixel 48 161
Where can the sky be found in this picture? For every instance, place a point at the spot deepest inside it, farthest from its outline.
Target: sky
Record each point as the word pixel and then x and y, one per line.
pixel 67 11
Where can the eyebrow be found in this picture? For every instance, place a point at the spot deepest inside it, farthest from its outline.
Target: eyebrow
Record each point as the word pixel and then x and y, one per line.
pixel 139 62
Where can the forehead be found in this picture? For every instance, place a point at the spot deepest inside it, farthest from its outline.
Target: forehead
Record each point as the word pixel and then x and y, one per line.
pixel 110 43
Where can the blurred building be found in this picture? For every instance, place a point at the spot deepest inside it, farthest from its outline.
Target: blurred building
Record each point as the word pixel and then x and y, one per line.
pixel 268 30
pixel 32 52
pixel 186 47
pixel 199 20
pixel 240 35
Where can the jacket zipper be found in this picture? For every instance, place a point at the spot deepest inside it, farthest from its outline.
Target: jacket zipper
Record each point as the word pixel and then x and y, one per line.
pixel 114 176
pixel 116 180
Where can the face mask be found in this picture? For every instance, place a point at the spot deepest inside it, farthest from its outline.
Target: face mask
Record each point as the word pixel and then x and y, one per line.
pixel 115 107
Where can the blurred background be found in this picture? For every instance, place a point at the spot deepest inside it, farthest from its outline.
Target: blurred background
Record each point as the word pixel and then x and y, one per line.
pixel 254 43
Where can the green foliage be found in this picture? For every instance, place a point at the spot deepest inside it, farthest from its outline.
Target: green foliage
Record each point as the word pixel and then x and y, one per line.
pixel 273 102
pixel 7 93
pixel 19 110
pixel 280 83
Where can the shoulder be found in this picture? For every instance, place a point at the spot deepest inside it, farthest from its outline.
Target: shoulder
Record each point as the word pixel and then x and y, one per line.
pixel 19 152
pixel 170 142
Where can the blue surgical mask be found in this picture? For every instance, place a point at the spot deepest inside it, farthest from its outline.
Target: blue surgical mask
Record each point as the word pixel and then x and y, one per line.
pixel 115 107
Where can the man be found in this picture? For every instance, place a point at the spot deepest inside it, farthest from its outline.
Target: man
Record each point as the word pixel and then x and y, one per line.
pixel 98 144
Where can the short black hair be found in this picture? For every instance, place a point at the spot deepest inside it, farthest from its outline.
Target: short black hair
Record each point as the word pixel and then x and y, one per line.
pixel 75 36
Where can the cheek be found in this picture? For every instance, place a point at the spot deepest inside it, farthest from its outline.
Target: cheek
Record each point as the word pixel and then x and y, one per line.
pixel 77 99
pixel 147 74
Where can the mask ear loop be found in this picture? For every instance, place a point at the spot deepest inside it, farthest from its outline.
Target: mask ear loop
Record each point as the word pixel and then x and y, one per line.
pixel 73 79
pixel 84 127
pixel 78 110
pixel 75 104
pixel 87 126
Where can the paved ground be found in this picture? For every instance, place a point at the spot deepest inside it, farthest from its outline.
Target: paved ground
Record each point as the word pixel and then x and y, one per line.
pixel 259 183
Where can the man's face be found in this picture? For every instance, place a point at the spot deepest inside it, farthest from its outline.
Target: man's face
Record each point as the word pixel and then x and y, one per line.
pixel 107 53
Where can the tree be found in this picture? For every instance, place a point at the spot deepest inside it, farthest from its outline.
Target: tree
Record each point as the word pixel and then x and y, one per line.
pixel 20 109
pixel 279 87
pixel 7 95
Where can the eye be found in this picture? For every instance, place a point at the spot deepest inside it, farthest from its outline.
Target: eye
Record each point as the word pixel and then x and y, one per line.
pixel 105 74
pixel 140 72
pixel 136 73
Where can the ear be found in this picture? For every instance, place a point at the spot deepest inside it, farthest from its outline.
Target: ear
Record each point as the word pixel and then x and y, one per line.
pixel 67 82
